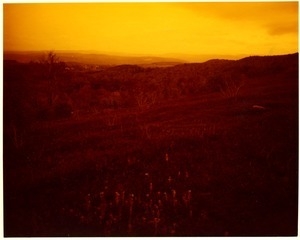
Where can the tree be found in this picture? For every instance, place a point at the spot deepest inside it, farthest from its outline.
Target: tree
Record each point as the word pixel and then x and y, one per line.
pixel 230 83
pixel 51 65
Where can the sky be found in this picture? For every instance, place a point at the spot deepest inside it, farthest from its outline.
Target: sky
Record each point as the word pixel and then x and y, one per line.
pixel 236 28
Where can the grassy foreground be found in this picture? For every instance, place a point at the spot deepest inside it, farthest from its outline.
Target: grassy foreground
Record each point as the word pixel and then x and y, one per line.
pixel 205 165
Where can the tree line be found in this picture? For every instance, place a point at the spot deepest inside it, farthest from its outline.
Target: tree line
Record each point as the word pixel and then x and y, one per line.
pixel 49 89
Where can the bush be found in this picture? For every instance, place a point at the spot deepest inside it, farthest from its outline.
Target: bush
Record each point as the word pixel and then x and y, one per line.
pixel 60 110
pixel 63 110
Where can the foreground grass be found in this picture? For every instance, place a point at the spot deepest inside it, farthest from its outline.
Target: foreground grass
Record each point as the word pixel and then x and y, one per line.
pixel 233 168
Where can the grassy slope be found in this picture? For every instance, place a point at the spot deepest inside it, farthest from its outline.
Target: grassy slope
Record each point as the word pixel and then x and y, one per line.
pixel 242 164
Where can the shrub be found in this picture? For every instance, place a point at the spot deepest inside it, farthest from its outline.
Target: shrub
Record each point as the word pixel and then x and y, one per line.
pixel 63 110
pixel 60 110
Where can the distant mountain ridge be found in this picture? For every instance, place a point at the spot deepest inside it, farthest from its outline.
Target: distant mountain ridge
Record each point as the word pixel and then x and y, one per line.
pixel 92 58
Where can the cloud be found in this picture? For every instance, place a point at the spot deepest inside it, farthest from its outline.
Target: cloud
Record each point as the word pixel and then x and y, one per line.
pixel 282 28
pixel 275 17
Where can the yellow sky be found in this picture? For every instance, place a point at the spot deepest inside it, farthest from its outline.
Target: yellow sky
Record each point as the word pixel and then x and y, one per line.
pixel 253 28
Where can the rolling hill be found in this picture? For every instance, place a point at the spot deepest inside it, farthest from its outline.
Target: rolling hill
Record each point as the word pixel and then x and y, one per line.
pixel 134 151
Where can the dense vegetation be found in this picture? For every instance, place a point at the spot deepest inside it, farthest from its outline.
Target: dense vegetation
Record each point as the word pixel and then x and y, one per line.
pixel 202 149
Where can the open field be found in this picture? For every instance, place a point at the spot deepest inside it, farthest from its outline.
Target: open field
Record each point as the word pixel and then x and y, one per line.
pixel 195 164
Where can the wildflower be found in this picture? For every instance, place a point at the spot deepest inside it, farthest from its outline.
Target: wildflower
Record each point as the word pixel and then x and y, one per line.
pixel 173 193
pixel 165 196
pixel 88 202
pixel 151 187
pixel 117 198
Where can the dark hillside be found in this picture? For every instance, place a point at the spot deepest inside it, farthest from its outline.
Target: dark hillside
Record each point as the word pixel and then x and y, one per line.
pixel 204 149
